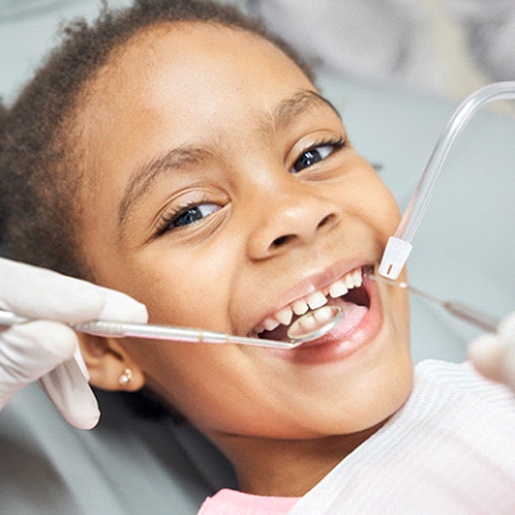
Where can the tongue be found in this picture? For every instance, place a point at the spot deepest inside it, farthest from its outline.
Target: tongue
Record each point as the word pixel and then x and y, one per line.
pixel 352 316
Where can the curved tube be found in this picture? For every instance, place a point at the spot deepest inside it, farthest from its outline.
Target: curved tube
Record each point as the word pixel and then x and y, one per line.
pixel 399 245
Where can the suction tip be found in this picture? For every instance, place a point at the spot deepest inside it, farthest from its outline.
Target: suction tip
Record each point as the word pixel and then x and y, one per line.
pixel 394 258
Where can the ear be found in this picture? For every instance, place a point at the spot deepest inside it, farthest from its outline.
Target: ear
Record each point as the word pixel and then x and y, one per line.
pixel 109 365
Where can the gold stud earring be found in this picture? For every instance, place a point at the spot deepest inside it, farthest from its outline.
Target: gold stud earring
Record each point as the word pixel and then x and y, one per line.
pixel 125 378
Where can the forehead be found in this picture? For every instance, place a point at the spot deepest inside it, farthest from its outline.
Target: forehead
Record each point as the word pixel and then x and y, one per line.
pixel 192 58
pixel 185 71
pixel 174 83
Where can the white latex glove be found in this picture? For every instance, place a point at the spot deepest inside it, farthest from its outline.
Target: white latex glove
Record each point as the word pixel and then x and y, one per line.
pixel 494 354
pixel 47 350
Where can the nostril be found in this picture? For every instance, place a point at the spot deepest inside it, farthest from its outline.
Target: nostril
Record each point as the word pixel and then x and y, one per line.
pixel 281 240
pixel 324 221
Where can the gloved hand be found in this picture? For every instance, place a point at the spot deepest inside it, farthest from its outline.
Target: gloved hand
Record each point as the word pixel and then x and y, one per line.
pixel 494 354
pixel 47 349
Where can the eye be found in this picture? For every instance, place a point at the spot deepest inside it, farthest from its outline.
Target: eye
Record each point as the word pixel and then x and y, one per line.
pixel 315 154
pixel 187 215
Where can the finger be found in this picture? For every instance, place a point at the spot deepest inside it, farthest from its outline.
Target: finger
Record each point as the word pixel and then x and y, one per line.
pixel 486 354
pixel 43 294
pixel 47 352
pixel 507 338
pixel 70 393
pixel 507 329
pixel 120 307
pixel 30 351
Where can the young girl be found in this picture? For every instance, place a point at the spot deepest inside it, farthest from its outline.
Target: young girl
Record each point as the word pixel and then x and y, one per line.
pixel 178 153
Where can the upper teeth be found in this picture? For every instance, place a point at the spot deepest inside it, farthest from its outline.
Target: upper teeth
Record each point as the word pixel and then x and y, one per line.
pixel 314 300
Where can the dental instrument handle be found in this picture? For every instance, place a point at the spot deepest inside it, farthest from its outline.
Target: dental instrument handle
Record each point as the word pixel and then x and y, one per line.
pixel 177 334
pixel 399 245
pixel 113 329
pixel 473 316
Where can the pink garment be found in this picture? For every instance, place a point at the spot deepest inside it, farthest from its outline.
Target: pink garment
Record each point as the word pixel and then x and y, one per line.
pixel 231 502
pixel 449 450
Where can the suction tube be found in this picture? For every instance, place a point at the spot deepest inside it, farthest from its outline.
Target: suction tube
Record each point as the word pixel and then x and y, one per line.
pixel 399 245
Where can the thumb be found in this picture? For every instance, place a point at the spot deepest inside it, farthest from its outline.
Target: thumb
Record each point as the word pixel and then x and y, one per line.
pixel 485 353
pixel 494 355
pixel 68 389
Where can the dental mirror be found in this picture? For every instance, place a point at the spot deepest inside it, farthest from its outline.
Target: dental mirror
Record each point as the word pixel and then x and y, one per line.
pixel 314 324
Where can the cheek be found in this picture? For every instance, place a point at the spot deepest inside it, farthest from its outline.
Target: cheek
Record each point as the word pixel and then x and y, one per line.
pixel 199 381
pixel 181 288
pixel 375 203
pixel 170 369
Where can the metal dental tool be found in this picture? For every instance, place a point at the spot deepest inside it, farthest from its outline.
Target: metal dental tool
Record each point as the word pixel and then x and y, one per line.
pixel 310 326
pixel 399 245
pixel 471 315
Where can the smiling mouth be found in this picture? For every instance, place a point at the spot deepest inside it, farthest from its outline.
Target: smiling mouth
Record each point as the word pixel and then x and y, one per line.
pixel 347 292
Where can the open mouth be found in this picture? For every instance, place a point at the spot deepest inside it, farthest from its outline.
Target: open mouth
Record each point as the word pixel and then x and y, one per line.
pixel 347 292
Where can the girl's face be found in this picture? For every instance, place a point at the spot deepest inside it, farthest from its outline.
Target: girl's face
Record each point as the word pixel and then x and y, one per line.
pixel 222 191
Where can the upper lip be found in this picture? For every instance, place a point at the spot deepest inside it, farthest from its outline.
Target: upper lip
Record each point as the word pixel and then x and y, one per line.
pixel 309 284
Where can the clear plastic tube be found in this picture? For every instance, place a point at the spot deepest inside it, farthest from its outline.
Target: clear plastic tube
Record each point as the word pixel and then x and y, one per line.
pixel 399 245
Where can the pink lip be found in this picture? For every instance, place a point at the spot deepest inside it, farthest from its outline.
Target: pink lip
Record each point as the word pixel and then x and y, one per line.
pixel 311 284
pixel 336 346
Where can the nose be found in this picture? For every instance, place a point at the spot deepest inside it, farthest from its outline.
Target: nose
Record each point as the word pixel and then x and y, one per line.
pixel 295 216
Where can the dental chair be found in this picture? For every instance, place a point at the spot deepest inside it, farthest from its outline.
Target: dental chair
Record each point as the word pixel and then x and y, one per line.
pixel 464 250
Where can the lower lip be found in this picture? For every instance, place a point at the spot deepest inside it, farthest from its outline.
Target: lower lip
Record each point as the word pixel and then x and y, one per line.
pixel 336 346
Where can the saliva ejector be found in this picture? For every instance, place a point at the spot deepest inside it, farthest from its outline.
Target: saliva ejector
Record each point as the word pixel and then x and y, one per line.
pixel 400 244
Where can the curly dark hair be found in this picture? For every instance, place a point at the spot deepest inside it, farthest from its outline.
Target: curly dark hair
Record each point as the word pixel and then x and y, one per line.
pixel 39 171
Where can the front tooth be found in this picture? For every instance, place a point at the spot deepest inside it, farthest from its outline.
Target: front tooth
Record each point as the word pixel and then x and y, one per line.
pixel 357 277
pixel 300 307
pixel 338 289
pixel 270 324
pixel 349 282
pixel 316 300
pixel 284 316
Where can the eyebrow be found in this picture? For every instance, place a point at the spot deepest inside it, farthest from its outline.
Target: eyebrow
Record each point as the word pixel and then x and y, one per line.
pixel 146 175
pixel 291 108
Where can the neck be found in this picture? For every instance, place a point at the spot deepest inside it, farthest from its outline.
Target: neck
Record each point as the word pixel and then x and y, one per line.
pixel 287 468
